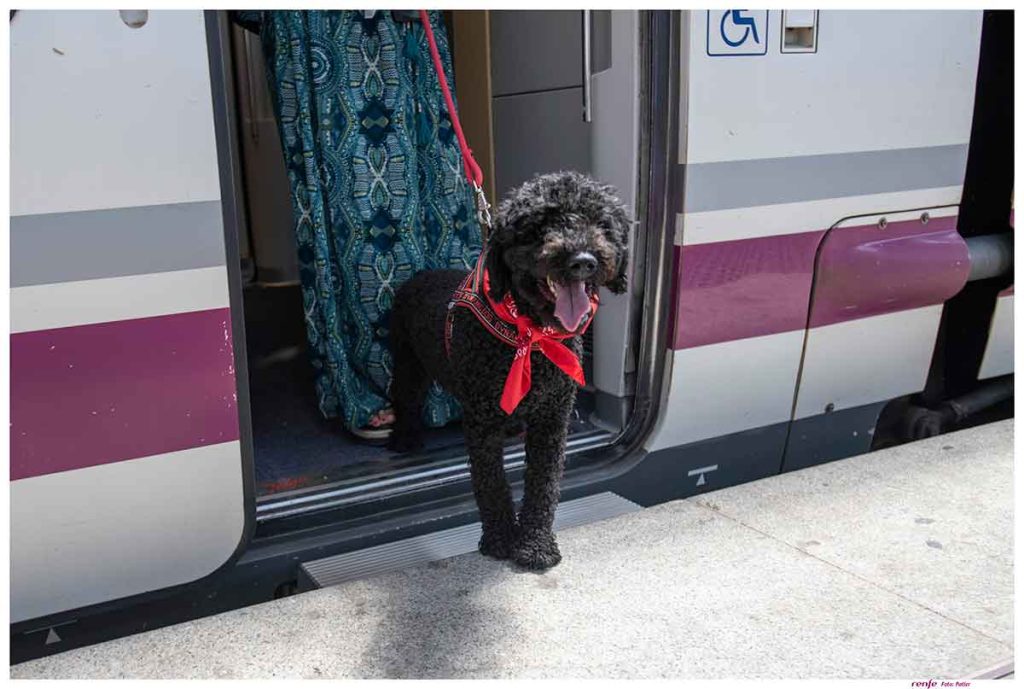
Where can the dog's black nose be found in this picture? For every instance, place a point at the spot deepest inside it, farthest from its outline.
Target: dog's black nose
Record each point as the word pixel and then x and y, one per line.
pixel 582 266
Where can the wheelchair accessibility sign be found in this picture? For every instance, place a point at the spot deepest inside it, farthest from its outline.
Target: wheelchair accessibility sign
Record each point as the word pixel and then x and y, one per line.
pixel 737 32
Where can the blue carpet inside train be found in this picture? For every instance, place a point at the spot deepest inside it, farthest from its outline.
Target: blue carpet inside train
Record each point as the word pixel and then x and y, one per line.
pixel 294 445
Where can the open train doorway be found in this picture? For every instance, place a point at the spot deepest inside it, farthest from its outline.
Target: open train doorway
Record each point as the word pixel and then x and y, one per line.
pixel 557 108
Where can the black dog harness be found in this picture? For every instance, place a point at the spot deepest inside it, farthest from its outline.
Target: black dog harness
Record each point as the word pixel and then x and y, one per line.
pixel 503 321
pixel 469 294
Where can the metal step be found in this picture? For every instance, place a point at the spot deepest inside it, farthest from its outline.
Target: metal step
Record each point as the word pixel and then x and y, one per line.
pixel 439 545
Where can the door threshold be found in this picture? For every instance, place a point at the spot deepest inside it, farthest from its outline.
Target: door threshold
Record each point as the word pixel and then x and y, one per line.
pixel 443 468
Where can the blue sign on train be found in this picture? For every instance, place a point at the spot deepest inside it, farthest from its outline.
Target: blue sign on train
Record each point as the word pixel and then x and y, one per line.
pixel 737 32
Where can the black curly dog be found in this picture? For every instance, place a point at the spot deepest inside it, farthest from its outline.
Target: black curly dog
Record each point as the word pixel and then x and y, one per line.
pixel 556 239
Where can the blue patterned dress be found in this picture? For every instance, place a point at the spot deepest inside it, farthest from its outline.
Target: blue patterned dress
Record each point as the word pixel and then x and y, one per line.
pixel 377 187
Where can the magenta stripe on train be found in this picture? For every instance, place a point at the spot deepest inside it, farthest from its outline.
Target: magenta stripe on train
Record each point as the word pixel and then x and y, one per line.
pixel 725 291
pixel 870 270
pixel 107 392
pixel 742 288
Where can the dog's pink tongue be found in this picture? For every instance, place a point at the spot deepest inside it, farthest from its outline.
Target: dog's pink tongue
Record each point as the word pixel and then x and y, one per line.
pixel 571 304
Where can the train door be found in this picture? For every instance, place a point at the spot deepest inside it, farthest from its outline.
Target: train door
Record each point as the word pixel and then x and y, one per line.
pixel 126 470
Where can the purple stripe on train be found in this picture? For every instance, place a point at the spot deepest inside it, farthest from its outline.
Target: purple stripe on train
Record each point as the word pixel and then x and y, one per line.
pixel 742 288
pixel 108 392
pixel 870 270
pixel 732 290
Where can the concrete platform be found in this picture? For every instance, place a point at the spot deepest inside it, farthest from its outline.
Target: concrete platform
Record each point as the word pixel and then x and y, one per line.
pixel 897 564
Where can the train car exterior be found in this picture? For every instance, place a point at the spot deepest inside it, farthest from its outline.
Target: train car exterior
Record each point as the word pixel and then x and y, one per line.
pixel 798 196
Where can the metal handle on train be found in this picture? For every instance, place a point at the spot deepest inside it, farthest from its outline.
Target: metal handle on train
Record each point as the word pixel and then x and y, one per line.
pixel 587 67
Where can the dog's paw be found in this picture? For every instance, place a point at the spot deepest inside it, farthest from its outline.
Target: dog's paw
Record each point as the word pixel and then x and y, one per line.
pixel 498 541
pixel 405 442
pixel 537 551
pixel 498 547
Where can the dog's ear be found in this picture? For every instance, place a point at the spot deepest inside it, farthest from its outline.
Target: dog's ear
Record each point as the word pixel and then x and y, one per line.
pixel 498 273
pixel 619 234
pixel 619 283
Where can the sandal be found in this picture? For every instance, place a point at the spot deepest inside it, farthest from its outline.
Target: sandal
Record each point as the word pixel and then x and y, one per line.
pixel 379 426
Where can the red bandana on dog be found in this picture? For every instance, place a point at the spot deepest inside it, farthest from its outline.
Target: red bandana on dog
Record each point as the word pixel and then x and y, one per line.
pixel 502 319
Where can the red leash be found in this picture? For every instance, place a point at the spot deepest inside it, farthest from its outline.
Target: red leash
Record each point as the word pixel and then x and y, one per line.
pixel 507 324
pixel 473 172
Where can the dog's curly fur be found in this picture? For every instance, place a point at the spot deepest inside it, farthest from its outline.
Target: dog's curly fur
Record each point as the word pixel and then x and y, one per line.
pixel 538 228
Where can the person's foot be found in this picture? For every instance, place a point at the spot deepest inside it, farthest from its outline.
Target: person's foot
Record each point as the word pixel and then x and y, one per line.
pixel 379 427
